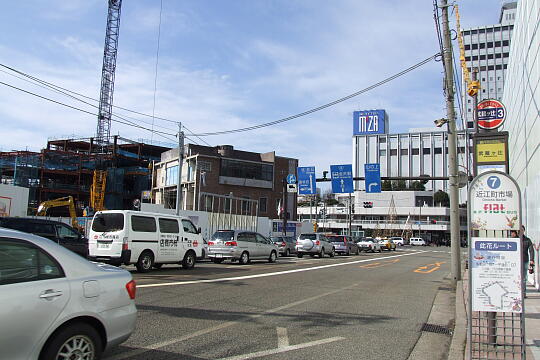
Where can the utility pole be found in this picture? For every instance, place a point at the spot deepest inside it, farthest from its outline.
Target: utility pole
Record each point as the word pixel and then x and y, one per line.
pixel 452 145
pixel 350 214
pixel 180 163
pixel 285 205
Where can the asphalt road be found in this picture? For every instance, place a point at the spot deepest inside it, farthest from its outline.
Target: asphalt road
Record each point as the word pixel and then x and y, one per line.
pixel 370 306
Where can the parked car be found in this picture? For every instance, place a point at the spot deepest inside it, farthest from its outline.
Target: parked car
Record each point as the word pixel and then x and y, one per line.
pixel 398 240
pixel 285 244
pixel 417 242
pixel 369 244
pixel 387 244
pixel 57 231
pixel 314 244
pixel 144 239
pixel 344 244
pixel 57 305
pixel 240 245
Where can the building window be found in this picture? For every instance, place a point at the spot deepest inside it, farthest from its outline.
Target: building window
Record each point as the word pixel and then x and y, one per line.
pixel 474 46
pixel 171 175
pixel 382 152
pixel 382 140
pixel 404 151
pixel 483 57
pixel 393 152
pixel 506 55
pixel 437 150
pixel 497 43
pixel 415 151
pixel 426 151
pixel 482 45
pixel 205 166
pixel 467 47
pixel 246 170
pixel 262 205
pixel 506 42
pixel 490 56
pixel 490 44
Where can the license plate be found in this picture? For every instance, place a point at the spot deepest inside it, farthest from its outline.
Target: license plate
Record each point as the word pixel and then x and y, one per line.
pixel 219 255
pixel 103 245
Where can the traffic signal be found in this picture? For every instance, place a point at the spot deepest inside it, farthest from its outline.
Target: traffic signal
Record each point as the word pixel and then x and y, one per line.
pixel 315 227
pixel 368 204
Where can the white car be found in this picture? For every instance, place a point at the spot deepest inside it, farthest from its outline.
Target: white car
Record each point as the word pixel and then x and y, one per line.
pixel 417 242
pixel 399 241
pixel 369 244
pixel 58 305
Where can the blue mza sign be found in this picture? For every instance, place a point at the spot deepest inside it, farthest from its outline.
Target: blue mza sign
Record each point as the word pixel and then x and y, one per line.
pixel 369 122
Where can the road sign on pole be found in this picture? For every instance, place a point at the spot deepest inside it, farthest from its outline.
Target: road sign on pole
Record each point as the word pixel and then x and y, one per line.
pixel 306 180
pixel 342 179
pixel 491 114
pixel 291 179
pixel 372 177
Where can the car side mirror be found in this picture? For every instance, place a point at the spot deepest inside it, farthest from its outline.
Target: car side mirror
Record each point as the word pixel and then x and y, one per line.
pixel 199 230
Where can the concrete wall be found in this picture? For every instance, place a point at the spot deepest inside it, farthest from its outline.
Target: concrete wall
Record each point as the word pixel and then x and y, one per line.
pixel 13 200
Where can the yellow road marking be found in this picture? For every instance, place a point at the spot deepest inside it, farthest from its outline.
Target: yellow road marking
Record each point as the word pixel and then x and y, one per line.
pixel 379 264
pixel 429 268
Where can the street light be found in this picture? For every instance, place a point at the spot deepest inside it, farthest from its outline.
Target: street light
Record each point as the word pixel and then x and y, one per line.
pixel 440 122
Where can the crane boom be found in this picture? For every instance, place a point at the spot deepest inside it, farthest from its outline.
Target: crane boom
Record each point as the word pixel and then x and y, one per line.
pixel 472 86
pixel 103 132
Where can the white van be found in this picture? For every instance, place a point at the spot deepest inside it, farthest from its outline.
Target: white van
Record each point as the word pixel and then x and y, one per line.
pixel 144 239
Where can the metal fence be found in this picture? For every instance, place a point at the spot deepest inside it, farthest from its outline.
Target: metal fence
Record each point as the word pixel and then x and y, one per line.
pixel 229 212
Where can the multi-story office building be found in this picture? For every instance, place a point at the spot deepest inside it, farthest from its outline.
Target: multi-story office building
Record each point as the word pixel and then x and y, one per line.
pixel 231 180
pixel 487 49
pixel 419 152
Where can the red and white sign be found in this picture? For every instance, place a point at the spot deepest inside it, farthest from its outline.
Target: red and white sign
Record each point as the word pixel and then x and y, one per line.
pixel 491 114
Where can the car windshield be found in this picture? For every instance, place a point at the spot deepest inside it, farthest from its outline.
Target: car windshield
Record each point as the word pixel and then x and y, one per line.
pixel 308 237
pixel 336 239
pixel 276 239
pixel 106 222
pixel 223 235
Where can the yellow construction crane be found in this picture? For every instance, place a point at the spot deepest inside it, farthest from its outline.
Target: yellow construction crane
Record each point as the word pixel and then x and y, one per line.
pixel 472 86
pixel 63 201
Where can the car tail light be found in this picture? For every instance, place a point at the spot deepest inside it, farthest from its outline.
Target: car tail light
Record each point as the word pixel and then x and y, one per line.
pixel 317 242
pixel 210 243
pixel 231 243
pixel 131 288
pixel 297 242
pixel 283 244
pixel 125 243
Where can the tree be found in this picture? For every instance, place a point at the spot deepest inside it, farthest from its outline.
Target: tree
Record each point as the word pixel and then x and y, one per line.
pixel 386 185
pixel 332 202
pixel 418 186
pixel 399 185
pixel 441 198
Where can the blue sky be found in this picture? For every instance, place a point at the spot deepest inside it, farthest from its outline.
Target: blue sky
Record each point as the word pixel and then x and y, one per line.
pixel 229 64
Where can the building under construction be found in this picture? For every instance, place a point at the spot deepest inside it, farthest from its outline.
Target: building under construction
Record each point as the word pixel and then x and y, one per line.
pixel 68 167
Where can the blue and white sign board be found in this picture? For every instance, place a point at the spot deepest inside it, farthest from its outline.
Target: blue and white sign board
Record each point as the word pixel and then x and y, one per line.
pixel 307 184
pixel 369 122
pixel 342 179
pixel 372 173
pixel 496 274
pixel 291 179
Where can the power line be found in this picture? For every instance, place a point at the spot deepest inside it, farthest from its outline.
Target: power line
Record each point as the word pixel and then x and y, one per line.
pixel 68 92
pixel 157 62
pixel 292 117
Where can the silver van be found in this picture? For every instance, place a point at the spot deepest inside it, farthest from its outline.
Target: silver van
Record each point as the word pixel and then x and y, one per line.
pixel 314 244
pixel 240 245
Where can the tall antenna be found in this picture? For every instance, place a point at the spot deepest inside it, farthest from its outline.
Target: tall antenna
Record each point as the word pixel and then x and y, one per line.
pixel 103 133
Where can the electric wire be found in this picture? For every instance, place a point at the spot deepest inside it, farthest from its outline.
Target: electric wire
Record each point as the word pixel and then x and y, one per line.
pixel 62 90
pixel 156 71
pixel 307 112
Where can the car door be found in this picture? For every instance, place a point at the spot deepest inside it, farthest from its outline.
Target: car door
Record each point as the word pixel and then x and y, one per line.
pixel 33 293
pixel 263 245
pixel 71 239
pixel 191 236
pixel 43 229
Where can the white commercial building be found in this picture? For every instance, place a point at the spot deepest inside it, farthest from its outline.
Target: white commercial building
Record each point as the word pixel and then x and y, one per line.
pixel 487 49
pixel 522 101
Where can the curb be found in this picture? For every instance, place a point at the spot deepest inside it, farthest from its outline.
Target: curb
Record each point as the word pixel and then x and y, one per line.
pixel 433 345
pixel 457 347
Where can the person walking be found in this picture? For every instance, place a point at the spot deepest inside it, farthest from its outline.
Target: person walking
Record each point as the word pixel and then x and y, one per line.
pixel 527 249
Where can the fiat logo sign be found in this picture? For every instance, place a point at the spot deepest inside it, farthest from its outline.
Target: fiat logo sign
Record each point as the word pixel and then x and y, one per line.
pixel 491 114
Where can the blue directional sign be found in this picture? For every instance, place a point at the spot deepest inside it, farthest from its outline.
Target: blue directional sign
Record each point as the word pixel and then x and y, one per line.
pixel 342 179
pixel 291 179
pixel 306 180
pixel 372 174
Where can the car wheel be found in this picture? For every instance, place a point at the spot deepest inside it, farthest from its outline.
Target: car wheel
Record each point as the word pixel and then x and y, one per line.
pixel 321 254
pixel 312 255
pixel 145 262
pixel 157 266
pixel 77 341
pixel 189 260
pixel 380 250
pixel 273 257
pixel 394 249
pixel 300 255
pixel 217 261
pixel 357 252
pixel 244 258
pixel 287 253
pixel 333 253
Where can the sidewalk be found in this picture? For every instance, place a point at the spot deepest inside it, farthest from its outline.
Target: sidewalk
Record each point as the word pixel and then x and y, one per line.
pixel 532 321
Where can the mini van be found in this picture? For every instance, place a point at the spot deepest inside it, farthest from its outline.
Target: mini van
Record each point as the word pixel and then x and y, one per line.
pixel 240 245
pixel 144 239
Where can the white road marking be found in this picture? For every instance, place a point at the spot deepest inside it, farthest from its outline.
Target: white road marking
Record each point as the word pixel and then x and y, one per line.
pixel 245 277
pixel 283 349
pixel 282 337
pixel 162 344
